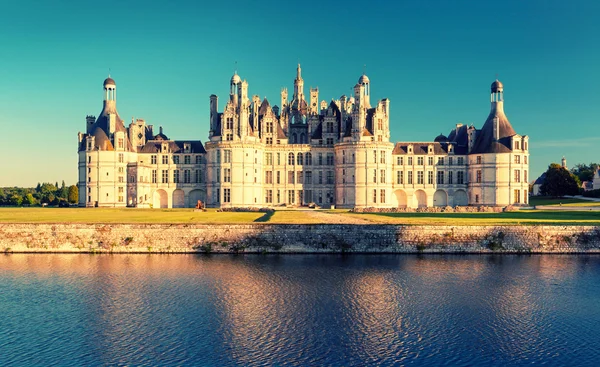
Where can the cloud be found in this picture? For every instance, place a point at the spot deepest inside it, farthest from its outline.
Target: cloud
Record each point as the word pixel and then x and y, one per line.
pixel 568 143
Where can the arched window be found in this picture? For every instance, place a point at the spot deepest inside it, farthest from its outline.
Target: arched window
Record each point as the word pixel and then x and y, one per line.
pixel 308 159
pixel 291 159
pixel 299 159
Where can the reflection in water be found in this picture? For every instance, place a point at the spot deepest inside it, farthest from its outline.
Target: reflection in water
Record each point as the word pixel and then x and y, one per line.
pixel 299 310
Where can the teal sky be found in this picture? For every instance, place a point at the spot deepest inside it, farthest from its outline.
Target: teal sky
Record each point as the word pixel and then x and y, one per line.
pixel 434 60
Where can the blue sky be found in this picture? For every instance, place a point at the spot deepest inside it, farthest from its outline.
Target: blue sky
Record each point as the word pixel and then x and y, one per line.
pixel 434 60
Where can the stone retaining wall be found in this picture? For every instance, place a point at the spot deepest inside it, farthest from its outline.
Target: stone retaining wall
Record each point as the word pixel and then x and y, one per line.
pixel 289 238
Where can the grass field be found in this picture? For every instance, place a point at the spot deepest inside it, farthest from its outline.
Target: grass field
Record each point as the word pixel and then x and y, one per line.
pixel 542 200
pixel 525 217
pixel 106 215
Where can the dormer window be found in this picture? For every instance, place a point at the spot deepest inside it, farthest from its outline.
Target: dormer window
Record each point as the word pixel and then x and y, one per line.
pixel 450 148
pixel 410 149
pixel 187 147
pixel 164 148
pixel 430 149
pixel 517 145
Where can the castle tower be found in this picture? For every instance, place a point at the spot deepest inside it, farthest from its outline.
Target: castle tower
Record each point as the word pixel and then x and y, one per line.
pixel 498 160
pixel 563 162
pixel 110 103
pixel 314 101
pixel 299 84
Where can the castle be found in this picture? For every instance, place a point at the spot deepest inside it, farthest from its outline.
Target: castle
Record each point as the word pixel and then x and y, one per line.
pixel 298 153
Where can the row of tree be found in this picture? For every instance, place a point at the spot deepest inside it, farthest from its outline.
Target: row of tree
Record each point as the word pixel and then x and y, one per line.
pixel 43 193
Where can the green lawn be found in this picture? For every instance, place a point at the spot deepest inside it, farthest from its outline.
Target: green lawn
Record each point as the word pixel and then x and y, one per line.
pixel 527 217
pixel 109 215
pixel 543 200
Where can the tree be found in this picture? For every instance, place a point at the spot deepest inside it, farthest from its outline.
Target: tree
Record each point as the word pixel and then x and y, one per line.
pixel 16 200
pixel 559 182
pixel 73 194
pixel 29 199
pixel 50 199
pixel 585 172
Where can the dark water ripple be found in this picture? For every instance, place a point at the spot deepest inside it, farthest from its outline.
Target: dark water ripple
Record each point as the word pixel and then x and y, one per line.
pixel 80 310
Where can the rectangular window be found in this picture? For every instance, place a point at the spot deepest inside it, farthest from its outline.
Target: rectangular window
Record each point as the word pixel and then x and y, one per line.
pixel 329 159
pixel 450 178
pixel 153 176
pixel 419 177
pixel 176 159
pixel 269 196
pixel 400 177
pixel 165 159
pixel 420 161
pixel 198 159
pixel 382 197
pixel 227 175
pixel 227 156
pixel 299 177
pixel 218 175
pixel 524 175
pixel 430 161
pixel 440 177
pixel 399 161
pixel 278 158
pixel 440 161
pixel 121 158
pixel 198 176
pixel 176 176
pixel 382 176
pixel 517 145
pixel 517 175
pixel 152 159
pixel 227 195
pixel 165 176
pixel 374 156
pixel 477 198
pixel 187 159
pixel 460 177
pixel 478 159
pixel 291 196
pixel 121 189
pixel 375 196
pixel 409 177
pixel 120 199
pixel 374 176
pixel 525 159
pixel 450 161
pixel 461 161
pixel 121 169
pixel 430 177
pixel 308 177
pixel 278 181
pixel 320 177
pixel 478 180
pixel 290 177
pixel 186 176
pixel 518 159
pixel 410 161
pixel 382 157
pixel 268 159
pixel 320 159
pixel 269 177
pixel 517 198
pixel 330 177
pixel 329 141
pixel 269 140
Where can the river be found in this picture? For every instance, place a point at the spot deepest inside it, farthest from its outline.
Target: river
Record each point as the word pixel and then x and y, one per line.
pixel 299 310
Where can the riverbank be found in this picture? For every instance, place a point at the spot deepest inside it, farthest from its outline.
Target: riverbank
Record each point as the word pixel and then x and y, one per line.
pixel 299 238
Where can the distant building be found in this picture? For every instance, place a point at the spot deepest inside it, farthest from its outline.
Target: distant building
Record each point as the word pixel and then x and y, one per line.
pixel 537 185
pixel 337 153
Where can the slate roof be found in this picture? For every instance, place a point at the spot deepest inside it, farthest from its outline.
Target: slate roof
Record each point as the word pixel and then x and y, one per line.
pixel 175 146
pixel 421 148
pixel 485 142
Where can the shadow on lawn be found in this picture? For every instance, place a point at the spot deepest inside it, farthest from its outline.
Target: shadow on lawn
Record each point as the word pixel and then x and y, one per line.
pixel 265 217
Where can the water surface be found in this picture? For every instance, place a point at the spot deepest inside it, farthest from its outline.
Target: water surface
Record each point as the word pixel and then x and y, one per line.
pixel 299 310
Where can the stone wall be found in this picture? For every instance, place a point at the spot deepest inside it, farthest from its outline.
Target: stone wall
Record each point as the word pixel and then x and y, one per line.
pixel 289 238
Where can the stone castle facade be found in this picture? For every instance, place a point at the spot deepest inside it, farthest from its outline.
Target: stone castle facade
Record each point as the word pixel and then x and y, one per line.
pixel 298 153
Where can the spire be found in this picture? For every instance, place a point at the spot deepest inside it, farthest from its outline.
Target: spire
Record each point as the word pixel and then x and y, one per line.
pixel 299 72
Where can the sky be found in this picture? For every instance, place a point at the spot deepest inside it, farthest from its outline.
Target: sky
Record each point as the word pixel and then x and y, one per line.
pixel 434 60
